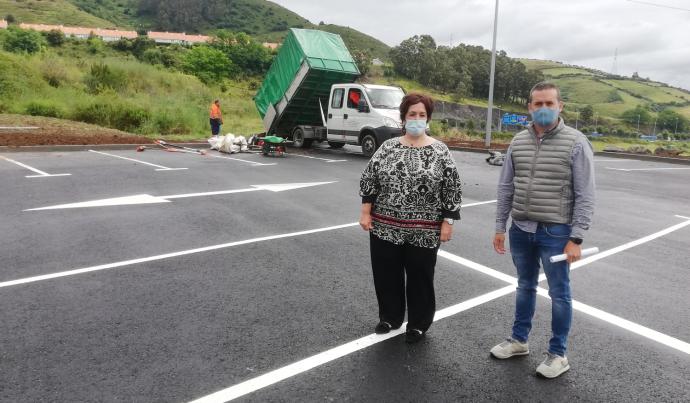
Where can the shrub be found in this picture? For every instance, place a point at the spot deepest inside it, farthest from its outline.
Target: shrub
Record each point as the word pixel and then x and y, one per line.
pixel 152 56
pixel 43 108
pixel 55 37
pixel 101 77
pixel 120 116
pixel 20 41
pixel 207 64
pixel 53 72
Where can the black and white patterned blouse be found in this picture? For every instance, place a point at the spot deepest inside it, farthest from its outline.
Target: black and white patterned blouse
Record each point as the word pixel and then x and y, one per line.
pixel 412 189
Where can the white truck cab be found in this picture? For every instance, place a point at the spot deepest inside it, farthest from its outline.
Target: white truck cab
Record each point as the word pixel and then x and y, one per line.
pixel 357 114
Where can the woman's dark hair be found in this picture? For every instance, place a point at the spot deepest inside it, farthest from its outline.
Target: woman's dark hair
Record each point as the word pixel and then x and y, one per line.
pixel 414 99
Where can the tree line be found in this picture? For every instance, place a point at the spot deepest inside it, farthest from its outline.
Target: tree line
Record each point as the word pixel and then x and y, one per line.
pixel 463 70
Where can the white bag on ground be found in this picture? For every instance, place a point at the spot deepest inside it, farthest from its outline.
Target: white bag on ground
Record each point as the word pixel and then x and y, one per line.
pixel 215 142
pixel 228 146
pixel 241 141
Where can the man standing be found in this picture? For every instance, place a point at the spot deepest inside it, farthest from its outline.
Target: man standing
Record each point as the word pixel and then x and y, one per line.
pixel 547 186
pixel 215 117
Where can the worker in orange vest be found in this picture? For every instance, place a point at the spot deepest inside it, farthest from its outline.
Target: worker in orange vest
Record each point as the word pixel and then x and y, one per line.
pixel 215 117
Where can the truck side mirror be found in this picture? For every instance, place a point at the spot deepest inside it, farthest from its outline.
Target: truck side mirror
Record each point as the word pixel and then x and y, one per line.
pixel 362 106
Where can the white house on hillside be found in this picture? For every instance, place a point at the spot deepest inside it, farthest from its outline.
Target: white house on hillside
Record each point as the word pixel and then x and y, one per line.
pixel 179 38
pixel 3 24
pixel 108 35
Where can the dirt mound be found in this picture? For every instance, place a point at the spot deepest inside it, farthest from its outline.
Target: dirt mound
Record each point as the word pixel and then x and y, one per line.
pixel 14 132
pixel 475 144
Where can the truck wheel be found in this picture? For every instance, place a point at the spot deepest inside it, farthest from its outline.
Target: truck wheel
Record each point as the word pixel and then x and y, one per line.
pixel 369 145
pixel 298 139
pixel 335 144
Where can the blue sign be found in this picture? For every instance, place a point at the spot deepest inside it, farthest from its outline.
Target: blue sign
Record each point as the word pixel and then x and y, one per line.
pixel 513 119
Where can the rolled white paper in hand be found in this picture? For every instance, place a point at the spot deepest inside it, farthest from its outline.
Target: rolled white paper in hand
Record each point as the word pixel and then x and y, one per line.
pixel 585 252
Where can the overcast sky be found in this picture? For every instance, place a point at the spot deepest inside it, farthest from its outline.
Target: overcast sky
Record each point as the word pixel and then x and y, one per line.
pixel 651 40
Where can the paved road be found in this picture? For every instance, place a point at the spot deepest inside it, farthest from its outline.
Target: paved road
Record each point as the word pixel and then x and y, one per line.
pixel 140 325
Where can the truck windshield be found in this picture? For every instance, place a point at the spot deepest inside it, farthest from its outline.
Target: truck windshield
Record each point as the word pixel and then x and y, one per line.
pixel 385 98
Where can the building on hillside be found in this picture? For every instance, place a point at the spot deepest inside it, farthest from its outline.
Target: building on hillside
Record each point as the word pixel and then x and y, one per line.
pixel 177 38
pixel 108 35
pixel 3 24
pixel 377 62
pixel 270 45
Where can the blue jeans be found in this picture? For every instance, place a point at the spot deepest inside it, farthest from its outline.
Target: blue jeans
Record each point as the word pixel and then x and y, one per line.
pixel 527 250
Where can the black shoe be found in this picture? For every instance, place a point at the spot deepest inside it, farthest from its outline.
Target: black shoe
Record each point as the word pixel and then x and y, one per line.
pixel 383 328
pixel 413 335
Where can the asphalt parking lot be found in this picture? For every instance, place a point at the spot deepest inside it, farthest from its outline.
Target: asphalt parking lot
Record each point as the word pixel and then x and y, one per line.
pixel 171 277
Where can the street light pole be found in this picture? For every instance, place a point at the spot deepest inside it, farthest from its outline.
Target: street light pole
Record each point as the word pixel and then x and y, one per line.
pixel 489 111
pixel 675 131
pixel 577 119
pixel 638 123
pixel 654 133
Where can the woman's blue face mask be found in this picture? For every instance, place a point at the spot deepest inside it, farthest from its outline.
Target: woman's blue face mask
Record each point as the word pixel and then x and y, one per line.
pixel 415 127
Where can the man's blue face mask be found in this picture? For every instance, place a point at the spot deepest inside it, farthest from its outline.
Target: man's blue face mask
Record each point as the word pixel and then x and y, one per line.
pixel 544 116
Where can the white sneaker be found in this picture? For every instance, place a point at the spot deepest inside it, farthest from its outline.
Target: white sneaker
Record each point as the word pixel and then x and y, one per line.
pixel 553 366
pixel 510 348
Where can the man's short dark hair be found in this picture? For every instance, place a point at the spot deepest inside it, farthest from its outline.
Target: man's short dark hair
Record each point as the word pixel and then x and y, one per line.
pixel 544 85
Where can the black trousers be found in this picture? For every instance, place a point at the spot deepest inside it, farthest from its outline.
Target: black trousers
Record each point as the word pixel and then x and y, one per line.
pixel 215 126
pixel 390 263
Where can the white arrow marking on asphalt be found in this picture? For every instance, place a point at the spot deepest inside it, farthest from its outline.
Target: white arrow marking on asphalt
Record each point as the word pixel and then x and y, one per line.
pixel 148 199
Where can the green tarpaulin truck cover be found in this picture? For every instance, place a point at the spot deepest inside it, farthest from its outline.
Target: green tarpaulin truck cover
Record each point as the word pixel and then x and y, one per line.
pixel 307 64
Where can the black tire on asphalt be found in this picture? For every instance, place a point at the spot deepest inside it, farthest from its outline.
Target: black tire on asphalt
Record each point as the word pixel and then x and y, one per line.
pixel 369 145
pixel 298 140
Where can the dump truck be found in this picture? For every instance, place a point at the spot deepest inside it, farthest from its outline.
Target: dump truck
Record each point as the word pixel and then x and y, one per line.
pixel 310 94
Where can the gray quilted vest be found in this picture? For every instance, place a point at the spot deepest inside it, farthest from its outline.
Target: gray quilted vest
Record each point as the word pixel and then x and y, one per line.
pixel 543 176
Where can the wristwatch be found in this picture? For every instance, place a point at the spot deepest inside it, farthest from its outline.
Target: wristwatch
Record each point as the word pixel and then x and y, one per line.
pixel 449 220
pixel 576 241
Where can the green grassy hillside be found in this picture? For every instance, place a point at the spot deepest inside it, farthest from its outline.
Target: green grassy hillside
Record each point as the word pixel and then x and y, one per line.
pixel 262 19
pixel 149 100
pixel 50 12
pixel 357 40
pixel 610 96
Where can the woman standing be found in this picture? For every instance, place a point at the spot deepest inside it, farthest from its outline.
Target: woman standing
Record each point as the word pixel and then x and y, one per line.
pixel 411 194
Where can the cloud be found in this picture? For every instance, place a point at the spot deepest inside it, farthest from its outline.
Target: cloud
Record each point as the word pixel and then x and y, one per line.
pixel 650 40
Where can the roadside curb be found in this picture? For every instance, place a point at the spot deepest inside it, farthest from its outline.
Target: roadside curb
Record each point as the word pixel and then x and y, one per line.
pixel 640 157
pixel 80 147
pixel 67 148
pixel 643 157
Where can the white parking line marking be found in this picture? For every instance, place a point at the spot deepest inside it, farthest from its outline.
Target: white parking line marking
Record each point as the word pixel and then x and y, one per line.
pixel 317 158
pixel 628 245
pixel 167 255
pixel 240 160
pixel 280 374
pixel 578 306
pixel 182 253
pixel 299 367
pixel 633 327
pixel 645 169
pixel 40 173
pixel 160 167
